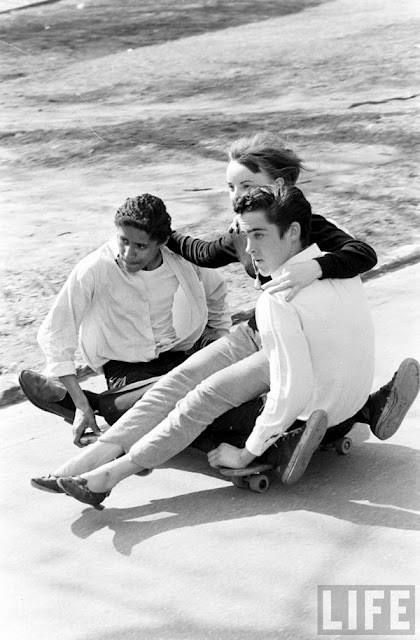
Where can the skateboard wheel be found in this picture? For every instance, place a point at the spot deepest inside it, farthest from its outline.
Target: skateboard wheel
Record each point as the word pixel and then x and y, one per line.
pixel 239 482
pixel 259 483
pixel 343 446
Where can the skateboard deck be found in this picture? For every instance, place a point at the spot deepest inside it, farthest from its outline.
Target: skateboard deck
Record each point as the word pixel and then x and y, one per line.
pixel 251 470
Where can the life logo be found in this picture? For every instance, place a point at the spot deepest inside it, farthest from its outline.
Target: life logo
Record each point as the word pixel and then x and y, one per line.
pixel 366 610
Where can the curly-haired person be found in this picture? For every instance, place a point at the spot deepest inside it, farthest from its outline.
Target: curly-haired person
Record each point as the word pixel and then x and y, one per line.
pixel 135 309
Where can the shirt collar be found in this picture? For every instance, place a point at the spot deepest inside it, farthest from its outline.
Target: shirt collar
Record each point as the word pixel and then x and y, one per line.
pixel 311 252
pixel 113 247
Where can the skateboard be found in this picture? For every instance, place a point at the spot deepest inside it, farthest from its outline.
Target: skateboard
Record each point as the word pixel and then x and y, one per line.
pixel 256 477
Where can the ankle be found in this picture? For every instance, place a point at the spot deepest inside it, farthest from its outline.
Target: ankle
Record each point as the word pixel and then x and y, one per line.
pixel 98 484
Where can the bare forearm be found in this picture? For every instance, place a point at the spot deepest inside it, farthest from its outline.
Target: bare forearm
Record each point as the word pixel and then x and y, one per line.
pixel 75 391
pixel 84 417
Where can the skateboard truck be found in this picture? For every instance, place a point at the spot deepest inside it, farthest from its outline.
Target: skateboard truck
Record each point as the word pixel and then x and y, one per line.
pixel 254 477
pixel 341 445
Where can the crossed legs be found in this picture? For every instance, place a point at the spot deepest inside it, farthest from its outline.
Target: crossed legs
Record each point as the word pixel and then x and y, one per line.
pixel 194 394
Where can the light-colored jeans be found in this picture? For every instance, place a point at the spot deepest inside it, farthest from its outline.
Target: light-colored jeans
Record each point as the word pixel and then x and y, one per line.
pixel 180 406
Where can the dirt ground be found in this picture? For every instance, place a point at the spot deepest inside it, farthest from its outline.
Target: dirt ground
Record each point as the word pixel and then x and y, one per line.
pixel 101 102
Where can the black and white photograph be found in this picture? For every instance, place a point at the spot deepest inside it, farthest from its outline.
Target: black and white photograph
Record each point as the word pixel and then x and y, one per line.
pixel 209 319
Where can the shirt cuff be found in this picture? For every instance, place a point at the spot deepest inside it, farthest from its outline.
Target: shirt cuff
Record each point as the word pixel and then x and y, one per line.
pixel 255 445
pixel 57 369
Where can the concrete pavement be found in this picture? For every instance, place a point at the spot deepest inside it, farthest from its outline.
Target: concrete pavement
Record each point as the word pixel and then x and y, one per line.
pixel 182 554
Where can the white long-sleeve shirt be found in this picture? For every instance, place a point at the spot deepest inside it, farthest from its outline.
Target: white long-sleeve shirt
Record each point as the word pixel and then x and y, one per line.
pixel 106 311
pixel 320 348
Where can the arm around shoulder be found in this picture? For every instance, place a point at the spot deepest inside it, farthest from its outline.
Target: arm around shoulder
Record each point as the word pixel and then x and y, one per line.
pixel 203 253
pixel 346 256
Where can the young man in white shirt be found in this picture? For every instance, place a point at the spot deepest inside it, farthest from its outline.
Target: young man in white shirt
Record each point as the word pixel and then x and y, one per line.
pixel 136 310
pixel 318 354
pixel 320 345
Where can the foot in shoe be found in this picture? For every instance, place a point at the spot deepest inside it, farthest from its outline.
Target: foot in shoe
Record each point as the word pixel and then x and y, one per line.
pixel 298 446
pixel 45 393
pixel 76 487
pixel 389 405
pixel 47 483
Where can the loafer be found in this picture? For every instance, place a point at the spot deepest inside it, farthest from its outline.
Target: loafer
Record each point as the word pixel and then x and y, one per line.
pixel 47 483
pixel 77 488
pixel 45 393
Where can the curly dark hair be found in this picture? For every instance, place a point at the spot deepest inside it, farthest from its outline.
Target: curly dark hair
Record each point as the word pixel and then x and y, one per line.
pixel 147 213
pixel 267 152
pixel 281 207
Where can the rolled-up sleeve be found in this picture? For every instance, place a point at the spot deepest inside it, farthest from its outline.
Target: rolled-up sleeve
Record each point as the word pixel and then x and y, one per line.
pixel 291 373
pixel 58 335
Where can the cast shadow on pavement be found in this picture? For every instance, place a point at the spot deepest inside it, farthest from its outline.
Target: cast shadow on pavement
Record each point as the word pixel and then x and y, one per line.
pixel 372 486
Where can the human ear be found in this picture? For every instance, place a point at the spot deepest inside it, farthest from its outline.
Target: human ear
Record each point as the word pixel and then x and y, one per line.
pixel 294 231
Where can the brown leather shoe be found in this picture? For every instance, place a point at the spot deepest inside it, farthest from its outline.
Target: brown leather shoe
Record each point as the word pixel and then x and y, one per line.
pixel 45 394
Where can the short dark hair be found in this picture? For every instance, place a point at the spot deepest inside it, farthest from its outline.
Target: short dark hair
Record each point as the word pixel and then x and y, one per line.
pixel 147 213
pixel 267 152
pixel 281 207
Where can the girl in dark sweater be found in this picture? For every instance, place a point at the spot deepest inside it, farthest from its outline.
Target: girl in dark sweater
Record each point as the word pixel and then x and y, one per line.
pixel 257 161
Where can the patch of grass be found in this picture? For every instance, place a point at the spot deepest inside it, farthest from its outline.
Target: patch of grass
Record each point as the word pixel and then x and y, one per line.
pixel 378 205
pixel 156 138
pixel 62 31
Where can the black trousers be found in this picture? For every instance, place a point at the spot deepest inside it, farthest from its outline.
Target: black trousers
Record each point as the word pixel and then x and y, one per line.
pixel 236 425
pixel 125 382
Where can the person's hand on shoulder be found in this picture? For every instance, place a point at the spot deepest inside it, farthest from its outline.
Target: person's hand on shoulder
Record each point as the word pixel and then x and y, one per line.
pixel 295 277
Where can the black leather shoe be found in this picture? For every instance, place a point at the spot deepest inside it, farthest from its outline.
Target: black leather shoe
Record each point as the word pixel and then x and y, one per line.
pixel 47 483
pixel 76 487
pixel 388 406
pixel 45 394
